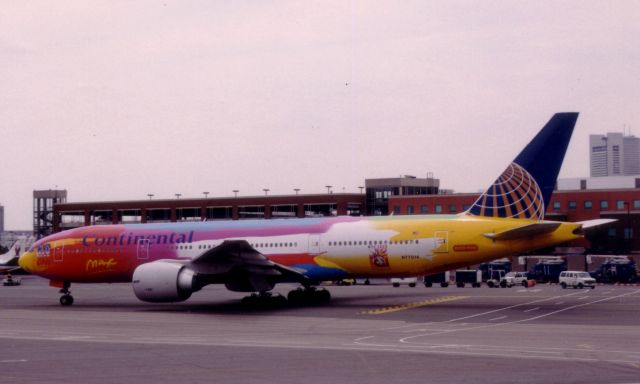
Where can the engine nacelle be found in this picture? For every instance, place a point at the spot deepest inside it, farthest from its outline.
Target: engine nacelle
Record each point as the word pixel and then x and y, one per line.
pixel 163 282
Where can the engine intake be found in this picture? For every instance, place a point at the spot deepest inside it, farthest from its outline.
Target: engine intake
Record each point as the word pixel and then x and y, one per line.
pixel 163 282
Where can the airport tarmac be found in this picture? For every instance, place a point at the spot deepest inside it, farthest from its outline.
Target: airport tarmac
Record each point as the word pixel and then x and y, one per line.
pixel 367 334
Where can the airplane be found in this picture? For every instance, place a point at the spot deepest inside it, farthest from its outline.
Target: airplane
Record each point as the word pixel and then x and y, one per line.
pixel 167 262
pixel 9 260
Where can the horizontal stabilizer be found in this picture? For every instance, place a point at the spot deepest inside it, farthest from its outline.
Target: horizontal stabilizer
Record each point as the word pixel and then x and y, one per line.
pixel 524 231
pixel 592 224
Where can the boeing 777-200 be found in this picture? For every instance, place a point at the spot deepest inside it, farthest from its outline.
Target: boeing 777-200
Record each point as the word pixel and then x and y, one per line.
pixel 168 262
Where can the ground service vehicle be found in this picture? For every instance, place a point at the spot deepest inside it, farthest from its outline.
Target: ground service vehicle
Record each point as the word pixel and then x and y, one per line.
pixel 501 264
pixel 410 281
pixel 515 278
pixel 496 279
pixel 441 278
pixel 547 271
pixel 576 279
pixel 616 270
pixel 10 280
pixel 469 276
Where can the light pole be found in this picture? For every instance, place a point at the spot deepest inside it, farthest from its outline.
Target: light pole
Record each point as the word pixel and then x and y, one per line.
pixel 266 191
pixel 235 191
pixel 206 194
pixel 627 228
pixel 150 195
pixel 178 195
pixel 361 188
pixel 328 188
pixel 297 190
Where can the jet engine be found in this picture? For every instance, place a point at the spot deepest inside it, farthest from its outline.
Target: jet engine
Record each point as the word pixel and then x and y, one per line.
pixel 163 281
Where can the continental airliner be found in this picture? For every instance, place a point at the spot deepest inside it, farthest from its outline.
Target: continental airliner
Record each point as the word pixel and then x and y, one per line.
pixel 167 262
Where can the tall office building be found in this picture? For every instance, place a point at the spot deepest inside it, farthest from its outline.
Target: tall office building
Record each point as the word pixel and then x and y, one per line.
pixel 614 155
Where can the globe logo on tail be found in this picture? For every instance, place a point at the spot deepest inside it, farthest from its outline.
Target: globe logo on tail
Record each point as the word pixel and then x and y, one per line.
pixel 514 194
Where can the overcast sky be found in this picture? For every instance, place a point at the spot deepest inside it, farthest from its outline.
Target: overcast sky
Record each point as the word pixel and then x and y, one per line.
pixel 117 99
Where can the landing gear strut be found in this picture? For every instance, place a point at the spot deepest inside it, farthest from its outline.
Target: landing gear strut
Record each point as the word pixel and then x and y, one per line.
pixel 66 299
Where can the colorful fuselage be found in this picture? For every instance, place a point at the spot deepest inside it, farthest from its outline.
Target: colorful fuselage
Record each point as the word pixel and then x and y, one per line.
pixel 322 249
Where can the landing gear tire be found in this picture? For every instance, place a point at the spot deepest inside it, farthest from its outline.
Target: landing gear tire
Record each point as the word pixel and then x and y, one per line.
pixel 264 300
pixel 309 296
pixel 66 300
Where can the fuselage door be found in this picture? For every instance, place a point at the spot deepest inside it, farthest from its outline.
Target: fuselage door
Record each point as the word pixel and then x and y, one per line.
pixel 58 253
pixel 441 242
pixel 314 244
pixel 143 249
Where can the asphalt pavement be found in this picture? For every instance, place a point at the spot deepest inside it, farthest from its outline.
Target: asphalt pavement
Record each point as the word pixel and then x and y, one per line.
pixel 368 334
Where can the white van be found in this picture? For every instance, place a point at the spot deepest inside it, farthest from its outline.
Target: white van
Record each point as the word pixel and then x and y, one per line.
pixel 397 281
pixel 576 279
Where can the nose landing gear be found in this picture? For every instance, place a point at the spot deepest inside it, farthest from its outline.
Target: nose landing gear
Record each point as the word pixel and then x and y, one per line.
pixel 66 299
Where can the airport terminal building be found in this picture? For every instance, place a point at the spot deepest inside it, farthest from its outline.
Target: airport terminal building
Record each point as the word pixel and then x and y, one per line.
pixel 574 200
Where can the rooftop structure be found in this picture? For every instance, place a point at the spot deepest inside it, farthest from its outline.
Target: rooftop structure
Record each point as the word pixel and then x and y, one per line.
pixel 379 191
pixel 43 203
pixel 71 215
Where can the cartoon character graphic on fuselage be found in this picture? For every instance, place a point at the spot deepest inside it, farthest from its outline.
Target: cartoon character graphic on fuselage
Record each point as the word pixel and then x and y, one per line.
pixel 168 262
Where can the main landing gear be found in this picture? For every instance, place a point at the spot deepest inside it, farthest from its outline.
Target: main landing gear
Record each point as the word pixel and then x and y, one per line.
pixel 309 295
pixel 297 297
pixel 66 299
pixel 264 300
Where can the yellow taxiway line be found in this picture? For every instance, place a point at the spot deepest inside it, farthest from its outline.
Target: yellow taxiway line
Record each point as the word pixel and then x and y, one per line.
pixel 403 307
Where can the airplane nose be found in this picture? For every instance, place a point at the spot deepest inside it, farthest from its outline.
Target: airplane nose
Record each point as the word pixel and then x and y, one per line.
pixel 27 261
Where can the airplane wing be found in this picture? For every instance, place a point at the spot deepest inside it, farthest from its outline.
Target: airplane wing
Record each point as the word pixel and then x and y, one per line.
pixel 524 231
pixel 9 264
pixel 242 268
